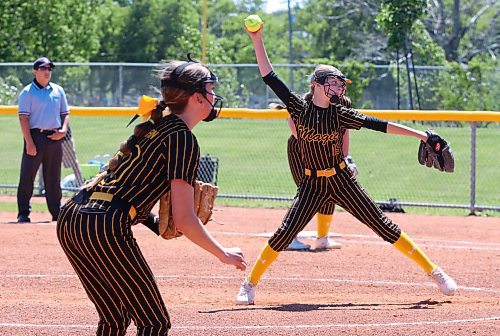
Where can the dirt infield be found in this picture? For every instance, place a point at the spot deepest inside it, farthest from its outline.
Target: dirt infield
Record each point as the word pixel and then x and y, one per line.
pixel 366 288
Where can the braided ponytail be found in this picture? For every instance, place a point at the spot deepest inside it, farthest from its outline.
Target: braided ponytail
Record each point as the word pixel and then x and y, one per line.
pixel 140 130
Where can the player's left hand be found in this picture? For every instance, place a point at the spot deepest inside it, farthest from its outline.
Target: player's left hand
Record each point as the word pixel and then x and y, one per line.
pixel 57 135
pixel 351 165
pixel 436 152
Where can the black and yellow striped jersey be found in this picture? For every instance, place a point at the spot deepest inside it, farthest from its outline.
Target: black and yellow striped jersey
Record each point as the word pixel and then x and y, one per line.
pixel 169 151
pixel 319 130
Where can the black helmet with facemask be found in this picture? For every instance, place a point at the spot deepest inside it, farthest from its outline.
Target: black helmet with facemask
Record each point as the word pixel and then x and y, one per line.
pixel 321 78
pixel 199 86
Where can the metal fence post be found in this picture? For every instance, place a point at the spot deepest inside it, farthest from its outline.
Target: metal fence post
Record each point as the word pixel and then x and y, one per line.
pixel 267 98
pixel 120 84
pixel 473 126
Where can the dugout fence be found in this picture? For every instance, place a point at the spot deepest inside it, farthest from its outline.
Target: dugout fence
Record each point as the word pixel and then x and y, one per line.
pixel 245 153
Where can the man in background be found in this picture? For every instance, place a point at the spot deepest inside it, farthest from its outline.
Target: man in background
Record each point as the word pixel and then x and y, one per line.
pixel 44 118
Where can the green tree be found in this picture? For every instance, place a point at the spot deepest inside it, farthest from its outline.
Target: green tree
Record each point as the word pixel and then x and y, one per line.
pixel 64 30
pixel 9 89
pixel 153 28
pixel 469 88
pixel 341 30
pixel 112 17
pixel 464 28
pixel 397 18
pixel 229 43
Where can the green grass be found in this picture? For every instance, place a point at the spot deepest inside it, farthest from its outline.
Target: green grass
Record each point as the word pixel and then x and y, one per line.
pixel 12 207
pixel 253 161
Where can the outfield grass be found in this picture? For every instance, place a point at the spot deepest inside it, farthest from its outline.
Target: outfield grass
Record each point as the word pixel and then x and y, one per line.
pixel 252 159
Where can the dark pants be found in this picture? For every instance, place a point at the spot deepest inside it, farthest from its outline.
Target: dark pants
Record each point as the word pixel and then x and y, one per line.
pixel 99 243
pixel 297 170
pixel 49 154
pixel 341 189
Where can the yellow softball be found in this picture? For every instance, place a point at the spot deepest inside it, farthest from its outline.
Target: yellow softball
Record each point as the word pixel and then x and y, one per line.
pixel 253 23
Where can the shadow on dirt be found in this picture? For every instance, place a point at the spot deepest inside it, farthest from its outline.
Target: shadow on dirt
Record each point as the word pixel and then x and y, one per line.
pixel 305 307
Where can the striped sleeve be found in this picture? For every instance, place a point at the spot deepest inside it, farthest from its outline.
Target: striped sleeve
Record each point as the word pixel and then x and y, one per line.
pixel 183 154
pixel 350 118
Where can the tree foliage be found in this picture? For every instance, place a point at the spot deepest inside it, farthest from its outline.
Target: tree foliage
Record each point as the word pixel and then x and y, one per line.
pixel 64 30
pixel 341 32
pixel 341 29
pixel 464 29
pixel 467 87
pixel 397 18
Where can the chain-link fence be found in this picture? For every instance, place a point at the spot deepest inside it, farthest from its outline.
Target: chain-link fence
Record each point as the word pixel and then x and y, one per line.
pixel 120 84
pixel 248 156
pixel 247 159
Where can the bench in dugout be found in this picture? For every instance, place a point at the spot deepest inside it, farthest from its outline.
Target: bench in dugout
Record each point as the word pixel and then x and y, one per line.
pixel 208 169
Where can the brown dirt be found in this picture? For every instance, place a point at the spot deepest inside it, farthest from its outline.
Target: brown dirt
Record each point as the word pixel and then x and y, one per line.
pixel 366 288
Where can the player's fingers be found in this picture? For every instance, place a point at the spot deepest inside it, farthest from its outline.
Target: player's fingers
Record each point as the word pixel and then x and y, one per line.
pixel 241 266
pixel 242 263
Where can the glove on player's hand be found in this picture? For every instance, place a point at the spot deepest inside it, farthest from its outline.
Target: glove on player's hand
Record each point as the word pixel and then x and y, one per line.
pixel 204 198
pixel 351 165
pixel 436 153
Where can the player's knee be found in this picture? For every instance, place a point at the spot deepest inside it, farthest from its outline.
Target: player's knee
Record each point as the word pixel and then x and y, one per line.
pixel 158 328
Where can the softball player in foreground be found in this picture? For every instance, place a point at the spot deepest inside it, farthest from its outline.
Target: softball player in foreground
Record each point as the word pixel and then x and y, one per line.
pixel 320 122
pixel 324 216
pixel 94 228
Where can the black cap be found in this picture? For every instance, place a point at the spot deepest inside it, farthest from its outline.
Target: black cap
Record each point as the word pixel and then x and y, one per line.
pixel 42 61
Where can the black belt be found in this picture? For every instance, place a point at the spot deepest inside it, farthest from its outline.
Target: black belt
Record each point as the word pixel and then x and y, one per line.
pixel 83 196
pixel 325 172
pixel 43 131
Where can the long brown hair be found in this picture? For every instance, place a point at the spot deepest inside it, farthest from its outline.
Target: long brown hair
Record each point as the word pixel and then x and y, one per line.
pixel 174 99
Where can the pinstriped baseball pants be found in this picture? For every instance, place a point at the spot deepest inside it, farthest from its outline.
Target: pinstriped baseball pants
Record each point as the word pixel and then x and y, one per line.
pixel 99 244
pixel 297 170
pixel 341 189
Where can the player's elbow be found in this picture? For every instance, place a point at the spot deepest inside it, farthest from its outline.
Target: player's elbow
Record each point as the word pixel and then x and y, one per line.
pixel 184 219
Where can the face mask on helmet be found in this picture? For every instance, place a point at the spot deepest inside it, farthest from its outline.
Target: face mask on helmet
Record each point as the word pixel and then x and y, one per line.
pixel 199 86
pixel 330 81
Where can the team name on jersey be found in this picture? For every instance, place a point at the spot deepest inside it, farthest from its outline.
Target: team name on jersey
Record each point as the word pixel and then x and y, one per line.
pixel 309 135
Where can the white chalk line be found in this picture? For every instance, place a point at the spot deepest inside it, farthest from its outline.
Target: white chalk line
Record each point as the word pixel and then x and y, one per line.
pixel 472 245
pixel 373 239
pixel 276 326
pixel 279 279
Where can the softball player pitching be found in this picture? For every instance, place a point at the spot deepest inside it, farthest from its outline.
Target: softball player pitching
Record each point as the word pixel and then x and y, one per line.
pixel 94 228
pixel 324 216
pixel 320 122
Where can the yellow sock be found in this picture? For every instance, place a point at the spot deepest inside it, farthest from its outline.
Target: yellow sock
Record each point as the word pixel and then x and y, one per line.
pixel 408 247
pixel 324 222
pixel 266 258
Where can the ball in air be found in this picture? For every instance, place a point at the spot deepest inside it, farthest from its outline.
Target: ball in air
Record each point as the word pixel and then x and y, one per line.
pixel 253 23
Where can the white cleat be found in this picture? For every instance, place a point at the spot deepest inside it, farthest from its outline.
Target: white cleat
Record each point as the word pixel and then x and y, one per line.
pixel 246 294
pixel 297 245
pixel 324 243
pixel 446 284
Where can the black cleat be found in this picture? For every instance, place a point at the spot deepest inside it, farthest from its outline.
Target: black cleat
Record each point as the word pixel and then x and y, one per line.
pixel 23 219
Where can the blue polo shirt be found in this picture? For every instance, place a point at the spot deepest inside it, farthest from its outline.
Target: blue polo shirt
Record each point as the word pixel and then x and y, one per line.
pixel 43 105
